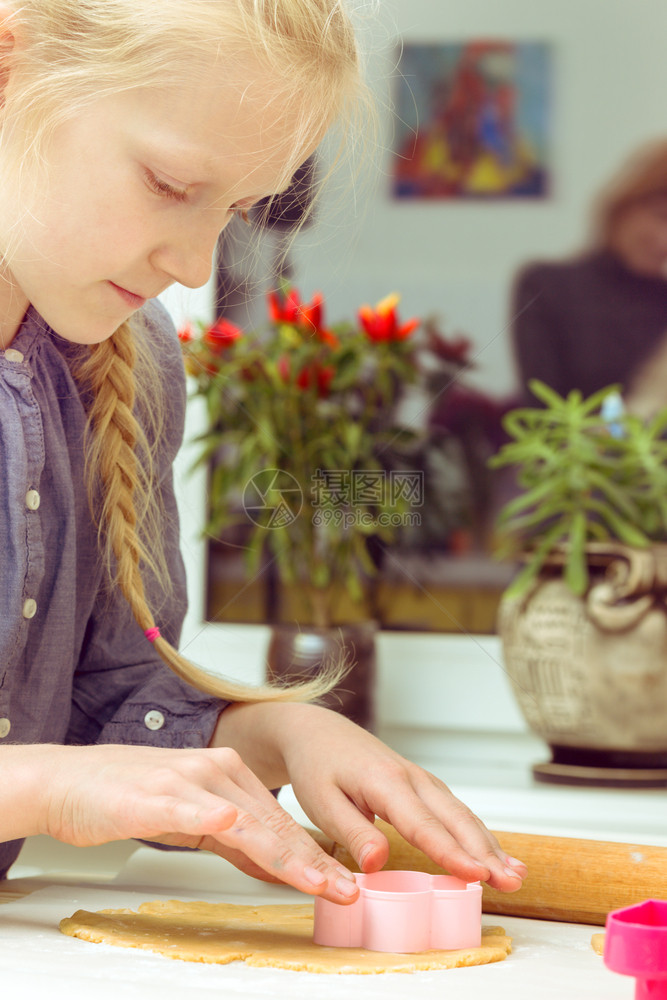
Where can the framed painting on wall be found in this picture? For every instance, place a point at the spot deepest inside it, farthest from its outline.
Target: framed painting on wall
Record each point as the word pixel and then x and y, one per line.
pixel 472 120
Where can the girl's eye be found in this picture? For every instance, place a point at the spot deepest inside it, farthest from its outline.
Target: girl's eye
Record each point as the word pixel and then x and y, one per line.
pixel 164 190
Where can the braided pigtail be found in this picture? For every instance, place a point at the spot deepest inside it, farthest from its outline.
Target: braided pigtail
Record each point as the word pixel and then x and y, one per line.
pixel 120 492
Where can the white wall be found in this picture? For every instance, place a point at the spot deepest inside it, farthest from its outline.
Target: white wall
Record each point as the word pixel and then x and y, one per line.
pixel 458 259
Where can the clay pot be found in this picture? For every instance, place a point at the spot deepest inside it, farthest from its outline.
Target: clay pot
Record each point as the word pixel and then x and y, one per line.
pixel 296 653
pixel 590 673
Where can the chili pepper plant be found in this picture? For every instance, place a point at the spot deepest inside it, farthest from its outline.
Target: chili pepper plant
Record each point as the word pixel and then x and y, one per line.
pixel 303 432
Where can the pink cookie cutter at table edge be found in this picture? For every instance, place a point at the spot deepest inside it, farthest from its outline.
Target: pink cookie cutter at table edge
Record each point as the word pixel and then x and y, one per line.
pixel 636 945
pixel 403 912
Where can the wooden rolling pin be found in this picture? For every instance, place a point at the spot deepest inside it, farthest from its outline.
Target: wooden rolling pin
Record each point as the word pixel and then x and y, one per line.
pixel 571 880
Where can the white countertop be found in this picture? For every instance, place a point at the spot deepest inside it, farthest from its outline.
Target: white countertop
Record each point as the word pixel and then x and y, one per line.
pixel 550 961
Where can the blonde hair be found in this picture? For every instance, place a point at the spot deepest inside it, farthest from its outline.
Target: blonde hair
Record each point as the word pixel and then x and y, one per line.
pixel 642 178
pixel 74 52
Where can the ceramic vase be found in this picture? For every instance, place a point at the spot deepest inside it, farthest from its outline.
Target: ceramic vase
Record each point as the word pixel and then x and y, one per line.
pixel 590 673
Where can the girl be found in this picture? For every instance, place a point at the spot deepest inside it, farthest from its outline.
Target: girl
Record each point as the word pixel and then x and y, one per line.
pixel 132 131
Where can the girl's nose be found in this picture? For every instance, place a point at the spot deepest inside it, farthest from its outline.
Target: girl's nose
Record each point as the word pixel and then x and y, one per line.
pixel 189 267
pixel 188 257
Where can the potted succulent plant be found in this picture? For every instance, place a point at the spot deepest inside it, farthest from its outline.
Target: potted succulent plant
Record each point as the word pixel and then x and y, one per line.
pixel 311 459
pixel 584 624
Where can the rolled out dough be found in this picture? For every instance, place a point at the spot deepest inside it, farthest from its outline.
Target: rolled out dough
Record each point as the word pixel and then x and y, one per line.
pixel 278 936
pixel 597 944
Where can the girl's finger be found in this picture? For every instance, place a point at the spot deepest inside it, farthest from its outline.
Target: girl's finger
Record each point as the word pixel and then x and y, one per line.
pixel 469 830
pixel 284 850
pixel 446 830
pixel 348 825
pixel 213 846
pixel 267 835
pixel 157 815
pixel 429 816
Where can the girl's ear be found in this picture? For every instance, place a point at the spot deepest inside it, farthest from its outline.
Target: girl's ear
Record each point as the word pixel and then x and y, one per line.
pixel 7 43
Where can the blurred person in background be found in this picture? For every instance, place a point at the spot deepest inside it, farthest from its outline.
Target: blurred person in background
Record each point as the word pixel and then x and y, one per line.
pixel 600 317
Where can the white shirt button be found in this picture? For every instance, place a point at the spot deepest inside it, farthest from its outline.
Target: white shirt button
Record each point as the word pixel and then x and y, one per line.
pixel 5 726
pixel 13 355
pixel 154 719
pixel 29 608
pixel 32 499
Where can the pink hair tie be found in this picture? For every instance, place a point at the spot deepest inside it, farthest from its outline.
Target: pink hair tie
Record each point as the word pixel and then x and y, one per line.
pixel 152 633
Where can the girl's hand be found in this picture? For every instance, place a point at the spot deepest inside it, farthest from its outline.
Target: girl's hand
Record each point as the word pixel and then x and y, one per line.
pixel 344 777
pixel 193 798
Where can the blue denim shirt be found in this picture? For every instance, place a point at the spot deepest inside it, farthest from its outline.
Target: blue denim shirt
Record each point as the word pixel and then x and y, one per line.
pixel 75 668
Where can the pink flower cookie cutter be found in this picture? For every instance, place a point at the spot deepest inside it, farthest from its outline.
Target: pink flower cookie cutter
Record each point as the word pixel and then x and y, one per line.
pixel 636 945
pixel 403 912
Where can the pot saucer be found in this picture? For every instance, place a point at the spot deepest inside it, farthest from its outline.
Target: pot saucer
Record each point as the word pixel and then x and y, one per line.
pixel 604 777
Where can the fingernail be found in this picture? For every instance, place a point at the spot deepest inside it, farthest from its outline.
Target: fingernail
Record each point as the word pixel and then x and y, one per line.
pixel 346 873
pixel 346 888
pixel 368 849
pixel 313 876
pixel 512 873
pixel 514 861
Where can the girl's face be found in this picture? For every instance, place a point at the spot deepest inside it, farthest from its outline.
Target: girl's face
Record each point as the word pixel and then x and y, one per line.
pixel 139 188
pixel 639 237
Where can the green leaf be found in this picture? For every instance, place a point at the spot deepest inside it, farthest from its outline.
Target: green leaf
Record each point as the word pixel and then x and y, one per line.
pixel 212 445
pixel 623 530
pixel 353 586
pixel 576 567
pixel 363 556
pixel 546 394
pixel 535 562
pixel 320 575
pixel 595 401
pixel 527 500
pixel 658 425
pixel 544 514
pixel 614 493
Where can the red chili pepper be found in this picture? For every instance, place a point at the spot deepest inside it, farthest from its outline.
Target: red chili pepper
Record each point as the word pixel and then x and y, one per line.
pixel 382 323
pixel 314 374
pixel 309 317
pixel 186 333
pixel 221 335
